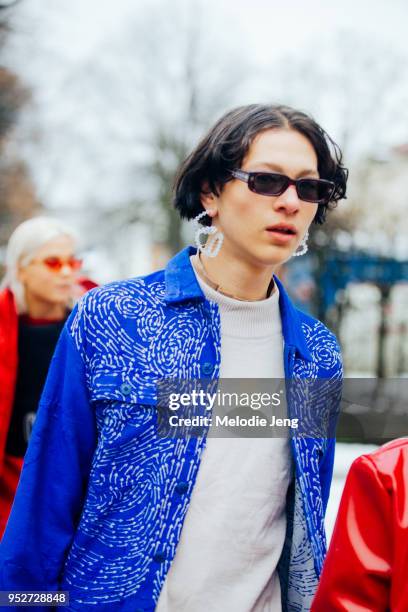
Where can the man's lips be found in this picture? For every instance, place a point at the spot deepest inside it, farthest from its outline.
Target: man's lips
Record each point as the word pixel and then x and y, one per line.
pixel 282 232
pixel 283 228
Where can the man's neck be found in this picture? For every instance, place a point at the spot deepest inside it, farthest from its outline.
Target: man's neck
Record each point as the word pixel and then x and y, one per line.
pixel 236 277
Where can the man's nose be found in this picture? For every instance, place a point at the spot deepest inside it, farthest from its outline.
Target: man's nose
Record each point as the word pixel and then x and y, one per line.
pixel 288 200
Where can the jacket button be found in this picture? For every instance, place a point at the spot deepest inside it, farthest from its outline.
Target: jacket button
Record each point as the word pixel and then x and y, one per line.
pixel 159 557
pixel 181 487
pixel 207 368
pixel 126 389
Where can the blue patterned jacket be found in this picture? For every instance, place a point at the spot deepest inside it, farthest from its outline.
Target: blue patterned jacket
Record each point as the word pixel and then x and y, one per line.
pixel 102 499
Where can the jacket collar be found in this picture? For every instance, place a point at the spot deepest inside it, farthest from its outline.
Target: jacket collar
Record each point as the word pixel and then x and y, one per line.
pixel 182 285
pixel 291 324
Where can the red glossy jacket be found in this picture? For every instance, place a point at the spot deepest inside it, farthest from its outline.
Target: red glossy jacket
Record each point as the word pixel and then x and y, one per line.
pixel 366 568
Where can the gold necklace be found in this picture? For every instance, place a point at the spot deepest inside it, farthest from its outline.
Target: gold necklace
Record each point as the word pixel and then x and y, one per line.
pixel 201 271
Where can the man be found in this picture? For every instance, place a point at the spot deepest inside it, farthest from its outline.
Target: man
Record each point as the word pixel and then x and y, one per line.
pixel 126 519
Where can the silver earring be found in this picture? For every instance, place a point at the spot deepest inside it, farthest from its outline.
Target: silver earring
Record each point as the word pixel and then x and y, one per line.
pixel 302 248
pixel 214 238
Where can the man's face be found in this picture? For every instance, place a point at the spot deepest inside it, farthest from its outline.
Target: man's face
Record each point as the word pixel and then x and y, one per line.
pixel 247 219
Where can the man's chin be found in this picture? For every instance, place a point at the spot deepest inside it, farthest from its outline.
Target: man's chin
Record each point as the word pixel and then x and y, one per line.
pixel 273 257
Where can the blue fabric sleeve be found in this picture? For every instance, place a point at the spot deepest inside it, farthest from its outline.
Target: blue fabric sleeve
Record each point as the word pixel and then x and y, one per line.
pixel 53 483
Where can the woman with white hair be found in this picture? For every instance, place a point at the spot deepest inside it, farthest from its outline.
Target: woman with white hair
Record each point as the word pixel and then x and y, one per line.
pixel 36 296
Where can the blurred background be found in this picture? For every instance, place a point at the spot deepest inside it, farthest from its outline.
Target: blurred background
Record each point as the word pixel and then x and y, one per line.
pixel 100 102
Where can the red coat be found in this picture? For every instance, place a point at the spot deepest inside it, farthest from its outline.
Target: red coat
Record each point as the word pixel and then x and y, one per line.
pixel 10 467
pixel 366 569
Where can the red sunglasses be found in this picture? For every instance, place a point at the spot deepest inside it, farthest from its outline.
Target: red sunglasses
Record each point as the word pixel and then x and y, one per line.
pixel 57 263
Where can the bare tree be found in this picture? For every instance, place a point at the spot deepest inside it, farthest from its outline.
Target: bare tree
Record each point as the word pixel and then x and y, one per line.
pixel 124 117
pixel 17 199
pixel 355 85
pixel 358 89
pixel 204 84
pixel 10 91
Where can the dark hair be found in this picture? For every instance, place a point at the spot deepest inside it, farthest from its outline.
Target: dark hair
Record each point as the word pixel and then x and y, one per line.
pixel 227 143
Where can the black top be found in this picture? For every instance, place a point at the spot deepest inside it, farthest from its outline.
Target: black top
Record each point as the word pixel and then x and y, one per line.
pixel 36 345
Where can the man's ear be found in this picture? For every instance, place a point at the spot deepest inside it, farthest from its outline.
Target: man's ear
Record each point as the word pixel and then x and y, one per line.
pixel 207 198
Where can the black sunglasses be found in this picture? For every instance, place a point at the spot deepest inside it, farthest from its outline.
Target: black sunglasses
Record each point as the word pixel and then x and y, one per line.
pixel 318 191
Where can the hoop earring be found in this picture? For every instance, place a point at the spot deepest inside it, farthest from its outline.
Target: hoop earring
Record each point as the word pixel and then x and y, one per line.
pixel 214 238
pixel 302 248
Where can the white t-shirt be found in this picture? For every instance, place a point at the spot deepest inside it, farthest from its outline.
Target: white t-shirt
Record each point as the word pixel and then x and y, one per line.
pixel 234 530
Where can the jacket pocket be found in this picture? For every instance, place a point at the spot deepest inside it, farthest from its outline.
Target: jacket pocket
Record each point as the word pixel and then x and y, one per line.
pixel 125 423
pixel 123 412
